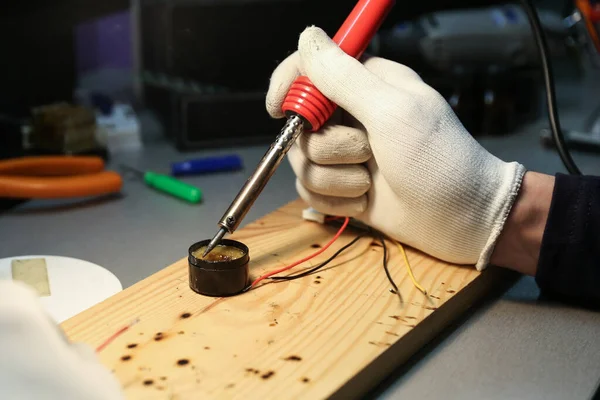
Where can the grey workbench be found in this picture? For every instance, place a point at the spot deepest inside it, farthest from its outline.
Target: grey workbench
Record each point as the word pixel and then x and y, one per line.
pixel 515 347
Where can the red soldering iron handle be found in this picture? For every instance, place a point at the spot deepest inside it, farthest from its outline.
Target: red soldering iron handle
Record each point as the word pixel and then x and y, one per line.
pixel 362 24
pixel 354 36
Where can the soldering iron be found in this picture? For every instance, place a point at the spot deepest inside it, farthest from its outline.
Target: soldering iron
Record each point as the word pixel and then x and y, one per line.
pixel 306 110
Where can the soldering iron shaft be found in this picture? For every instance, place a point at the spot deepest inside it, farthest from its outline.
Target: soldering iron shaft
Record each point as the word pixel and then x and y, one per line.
pixel 257 181
pixel 304 104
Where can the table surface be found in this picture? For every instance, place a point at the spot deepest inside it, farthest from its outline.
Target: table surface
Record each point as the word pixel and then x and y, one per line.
pixel 513 347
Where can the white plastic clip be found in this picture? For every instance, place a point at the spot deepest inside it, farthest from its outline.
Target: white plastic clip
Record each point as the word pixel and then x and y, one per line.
pixel 310 214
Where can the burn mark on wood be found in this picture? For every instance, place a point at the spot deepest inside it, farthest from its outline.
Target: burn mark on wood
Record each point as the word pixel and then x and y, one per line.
pixel 435 297
pixel 293 358
pixel 180 332
pixel 391 333
pixel 148 382
pixel 410 317
pixel 132 345
pixel 183 361
pixel 315 246
pixel 159 336
pixel 430 308
pixel 380 344
pixel 319 277
pixel 305 380
pixel 206 348
pixel 397 317
pixel 230 385
pixel 253 371
pixel 163 378
pixel 267 374
pixel 317 282
pixel 126 357
pixel 451 291
pixel 185 315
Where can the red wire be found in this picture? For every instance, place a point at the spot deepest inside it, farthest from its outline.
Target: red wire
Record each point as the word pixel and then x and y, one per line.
pixel 277 271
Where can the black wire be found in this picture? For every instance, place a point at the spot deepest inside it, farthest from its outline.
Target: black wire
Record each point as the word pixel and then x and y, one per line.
pixel 386 269
pixel 557 134
pixel 318 267
pixel 369 232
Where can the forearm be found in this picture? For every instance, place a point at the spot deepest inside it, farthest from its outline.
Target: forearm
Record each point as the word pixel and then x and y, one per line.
pixel 519 244
pixel 553 233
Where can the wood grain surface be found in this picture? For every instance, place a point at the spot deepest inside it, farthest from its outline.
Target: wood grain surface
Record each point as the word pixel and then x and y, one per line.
pixel 300 339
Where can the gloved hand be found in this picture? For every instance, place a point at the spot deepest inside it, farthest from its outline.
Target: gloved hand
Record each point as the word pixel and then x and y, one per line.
pixel 396 158
pixel 38 362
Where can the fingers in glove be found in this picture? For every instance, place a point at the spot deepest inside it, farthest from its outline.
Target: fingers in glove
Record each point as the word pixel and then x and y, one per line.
pixel 340 77
pixel 281 80
pixel 339 206
pixel 395 74
pixel 336 144
pixel 330 180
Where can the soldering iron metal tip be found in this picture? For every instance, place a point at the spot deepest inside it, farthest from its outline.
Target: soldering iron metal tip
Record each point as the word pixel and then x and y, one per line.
pixel 215 241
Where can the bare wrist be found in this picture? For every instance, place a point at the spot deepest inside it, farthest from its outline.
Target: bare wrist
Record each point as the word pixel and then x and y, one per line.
pixel 519 244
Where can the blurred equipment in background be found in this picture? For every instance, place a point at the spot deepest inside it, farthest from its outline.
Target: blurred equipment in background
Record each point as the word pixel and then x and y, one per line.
pixel 585 20
pixel 119 129
pixel 483 61
pixel 205 65
pixel 63 129
pixel 584 24
pixel 202 79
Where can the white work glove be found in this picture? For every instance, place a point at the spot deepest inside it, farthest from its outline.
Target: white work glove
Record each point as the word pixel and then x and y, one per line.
pixel 36 359
pixel 397 158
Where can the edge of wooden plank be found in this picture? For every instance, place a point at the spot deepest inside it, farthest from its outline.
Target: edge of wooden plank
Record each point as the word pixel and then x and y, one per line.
pixel 398 358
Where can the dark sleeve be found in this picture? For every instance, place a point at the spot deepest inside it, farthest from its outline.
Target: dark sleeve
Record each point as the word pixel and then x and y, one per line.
pixel 569 263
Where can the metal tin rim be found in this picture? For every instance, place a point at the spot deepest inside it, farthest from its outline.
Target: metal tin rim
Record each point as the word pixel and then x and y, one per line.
pixel 238 262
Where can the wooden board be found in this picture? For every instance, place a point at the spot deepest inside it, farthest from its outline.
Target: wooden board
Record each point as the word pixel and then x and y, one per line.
pixel 336 333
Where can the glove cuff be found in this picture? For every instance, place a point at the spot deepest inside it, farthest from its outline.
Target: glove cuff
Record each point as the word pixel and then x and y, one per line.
pixel 516 172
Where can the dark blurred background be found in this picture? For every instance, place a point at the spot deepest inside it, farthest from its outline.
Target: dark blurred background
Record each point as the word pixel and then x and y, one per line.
pixel 199 67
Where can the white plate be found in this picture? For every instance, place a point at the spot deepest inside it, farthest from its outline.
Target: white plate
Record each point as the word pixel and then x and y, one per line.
pixel 75 285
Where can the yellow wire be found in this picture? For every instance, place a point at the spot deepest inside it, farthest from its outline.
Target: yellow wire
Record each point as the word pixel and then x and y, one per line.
pixel 410 273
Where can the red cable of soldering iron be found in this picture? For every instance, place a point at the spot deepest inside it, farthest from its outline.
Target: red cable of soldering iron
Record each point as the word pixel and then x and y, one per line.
pixel 277 271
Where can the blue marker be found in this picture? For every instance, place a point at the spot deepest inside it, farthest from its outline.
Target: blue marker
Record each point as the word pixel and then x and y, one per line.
pixel 207 165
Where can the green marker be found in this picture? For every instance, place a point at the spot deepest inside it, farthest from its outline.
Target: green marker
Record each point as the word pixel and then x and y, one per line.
pixel 169 185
